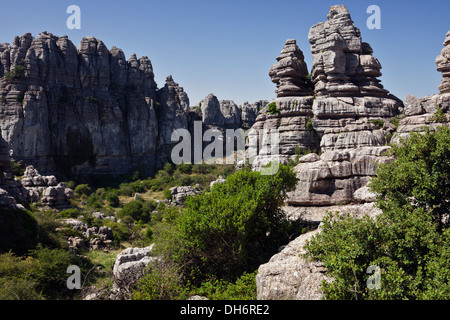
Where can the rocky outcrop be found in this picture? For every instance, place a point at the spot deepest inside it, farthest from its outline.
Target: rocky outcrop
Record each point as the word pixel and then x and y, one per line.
pixel 94 238
pixel 443 65
pixel 289 275
pixel 343 64
pixel 430 111
pixel 290 72
pixel 290 114
pixel 54 195
pixel 11 190
pixel 129 266
pixel 81 111
pixel 351 115
pixel 344 128
pixel 179 194
pixel 172 113
pixel 335 176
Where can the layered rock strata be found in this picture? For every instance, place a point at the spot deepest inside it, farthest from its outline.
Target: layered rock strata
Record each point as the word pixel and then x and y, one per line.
pixel 430 111
pixel 289 115
pixel 349 114
pixel 81 111
pixel 172 113
pixel 443 65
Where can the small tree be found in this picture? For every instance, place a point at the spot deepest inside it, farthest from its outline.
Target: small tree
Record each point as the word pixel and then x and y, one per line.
pixel 236 226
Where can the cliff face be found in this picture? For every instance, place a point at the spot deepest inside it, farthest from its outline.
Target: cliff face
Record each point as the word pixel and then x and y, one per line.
pixel 80 111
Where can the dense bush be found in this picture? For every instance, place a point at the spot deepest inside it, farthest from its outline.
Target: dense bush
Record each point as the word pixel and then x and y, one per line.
pixel 82 189
pixel 18 231
pixel 137 210
pixel 236 226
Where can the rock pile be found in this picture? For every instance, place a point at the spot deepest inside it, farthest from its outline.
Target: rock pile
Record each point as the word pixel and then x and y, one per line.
pixel 179 194
pixel 54 195
pixel 94 238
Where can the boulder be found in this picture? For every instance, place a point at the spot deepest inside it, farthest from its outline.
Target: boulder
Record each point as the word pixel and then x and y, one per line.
pixel 289 275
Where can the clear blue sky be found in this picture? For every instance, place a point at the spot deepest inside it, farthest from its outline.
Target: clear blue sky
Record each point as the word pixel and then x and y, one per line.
pixel 227 47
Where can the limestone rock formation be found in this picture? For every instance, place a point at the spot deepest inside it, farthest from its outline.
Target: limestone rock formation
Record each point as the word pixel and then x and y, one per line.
pixel 54 195
pixel 423 112
pixel 443 65
pixel 290 72
pixel 343 64
pixel 351 114
pixel 343 127
pixel 179 194
pixel 95 238
pixel 11 190
pixel 289 275
pixel 336 175
pixel 172 113
pixel 128 268
pixel 84 111
pixel 420 113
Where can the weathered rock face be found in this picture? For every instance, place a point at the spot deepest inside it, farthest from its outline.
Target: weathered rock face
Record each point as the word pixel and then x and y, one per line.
pixel 173 114
pixel 179 194
pixel 290 276
pixel 343 64
pixel 11 190
pixel 350 114
pixel 420 112
pixel 345 124
pixel 128 268
pixel 335 176
pixel 443 65
pixel 290 72
pixel 81 112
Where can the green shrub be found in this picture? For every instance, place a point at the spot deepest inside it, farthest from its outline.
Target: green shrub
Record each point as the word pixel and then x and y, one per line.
pixel 19 231
pixel 169 168
pixel 126 190
pixel 162 282
pixel 309 125
pixel 82 189
pixel 136 210
pixel 112 197
pixel 138 186
pixel 395 121
pixel 272 108
pixel 202 168
pixel 439 116
pixel 167 194
pixel 70 213
pixel 16 281
pixel 378 122
pixel 94 201
pixel 17 169
pixel 16 73
pixel 235 226
pixel 184 168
